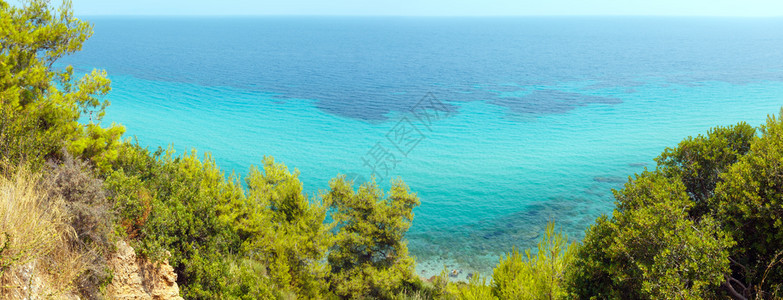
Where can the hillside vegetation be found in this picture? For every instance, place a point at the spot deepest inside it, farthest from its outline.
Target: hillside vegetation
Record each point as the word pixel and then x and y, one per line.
pixel 706 222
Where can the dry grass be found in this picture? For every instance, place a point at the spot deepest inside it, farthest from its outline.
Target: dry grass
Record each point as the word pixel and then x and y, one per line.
pixel 36 257
pixel 29 223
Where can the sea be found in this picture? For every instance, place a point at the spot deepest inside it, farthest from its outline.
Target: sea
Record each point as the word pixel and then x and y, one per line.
pixel 499 124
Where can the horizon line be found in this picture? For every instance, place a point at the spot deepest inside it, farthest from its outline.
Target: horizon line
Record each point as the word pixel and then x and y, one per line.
pixel 435 16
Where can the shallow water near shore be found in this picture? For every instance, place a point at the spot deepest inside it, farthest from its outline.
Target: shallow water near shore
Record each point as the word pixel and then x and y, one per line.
pixel 541 117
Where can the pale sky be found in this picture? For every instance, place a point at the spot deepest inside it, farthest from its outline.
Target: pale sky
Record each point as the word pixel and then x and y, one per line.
pixel 744 8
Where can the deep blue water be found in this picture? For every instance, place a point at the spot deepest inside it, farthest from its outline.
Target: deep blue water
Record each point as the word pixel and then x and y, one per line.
pixel 531 119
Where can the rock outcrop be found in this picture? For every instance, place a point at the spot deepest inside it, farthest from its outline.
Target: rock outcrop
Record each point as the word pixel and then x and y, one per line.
pixel 30 281
pixel 136 278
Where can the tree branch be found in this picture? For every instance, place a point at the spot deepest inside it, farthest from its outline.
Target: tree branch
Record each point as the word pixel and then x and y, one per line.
pixel 730 289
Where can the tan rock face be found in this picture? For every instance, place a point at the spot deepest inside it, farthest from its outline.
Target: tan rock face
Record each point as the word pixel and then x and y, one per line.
pixel 31 281
pixel 136 278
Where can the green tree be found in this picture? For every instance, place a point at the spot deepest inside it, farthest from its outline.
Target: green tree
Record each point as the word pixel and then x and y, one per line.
pixel 369 257
pixel 40 107
pixel 651 248
pixel 288 232
pixel 728 220
pixel 749 204
pixel 699 161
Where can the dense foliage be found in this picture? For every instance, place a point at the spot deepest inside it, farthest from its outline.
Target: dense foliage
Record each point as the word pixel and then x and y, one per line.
pixel 748 202
pixel 40 107
pixel 650 248
pixel 368 256
pixel 707 222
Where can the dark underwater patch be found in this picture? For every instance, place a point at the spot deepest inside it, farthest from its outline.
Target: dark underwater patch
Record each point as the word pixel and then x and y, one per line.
pixel 544 102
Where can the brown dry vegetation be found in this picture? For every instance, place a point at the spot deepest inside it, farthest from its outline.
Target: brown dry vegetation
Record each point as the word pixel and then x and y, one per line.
pixel 36 253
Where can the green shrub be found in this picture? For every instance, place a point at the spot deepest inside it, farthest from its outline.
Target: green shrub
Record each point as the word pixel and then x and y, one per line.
pixel 175 204
pixel 21 141
pixel 214 231
pixel 538 276
pixel 369 257
pixel 475 289
pixel 248 279
pixel 90 215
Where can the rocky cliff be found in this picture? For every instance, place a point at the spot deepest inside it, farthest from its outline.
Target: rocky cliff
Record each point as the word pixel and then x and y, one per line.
pixel 136 278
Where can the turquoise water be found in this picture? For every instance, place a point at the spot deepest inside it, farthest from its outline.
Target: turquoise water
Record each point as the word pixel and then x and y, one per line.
pixel 533 141
pixel 487 183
